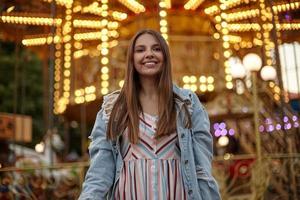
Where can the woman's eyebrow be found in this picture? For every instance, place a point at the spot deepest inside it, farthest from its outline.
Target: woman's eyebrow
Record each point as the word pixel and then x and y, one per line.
pixel 141 45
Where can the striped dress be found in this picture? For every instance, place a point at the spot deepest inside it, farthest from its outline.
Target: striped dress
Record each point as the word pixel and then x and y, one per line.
pixel 151 169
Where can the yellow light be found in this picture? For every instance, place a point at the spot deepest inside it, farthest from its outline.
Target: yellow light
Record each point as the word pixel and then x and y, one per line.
pixel 163 22
pixel 227 70
pixel 67 73
pixel 277 89
pixel 79 92
pixel 104 70
pixel 187 86
pixel 225 38
pixel 104 84
pixel 78 45
pixel 104 60
pixel 165 36
pixel 66 94
pixel 66 88
pixel 104 51
pixel 276 97
pixel 228 78
pixel 11 8
pixel 224 24
pixel 210 79
pixel 192 4
pixel 121 83
pixel 90 97
pixel 203 88
pixel 104 38
pixel 186 79
pixel 163 13
pixel 226 45
pixel 67 81
pixel 67 53
pixel 216 35
pixel 90 89
pixel 202 79
pixel 163 29
pixel 193 87
pixel 271 84
pixel 104 91
pixel 193 79
pixel 210 88
pixel 227 54
pixel 105 77
pixel 133 5
pixel 229 85
pixel 56 86
pixel 225 31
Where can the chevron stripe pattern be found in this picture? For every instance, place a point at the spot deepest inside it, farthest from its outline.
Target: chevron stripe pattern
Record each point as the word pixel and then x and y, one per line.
pixel 152 168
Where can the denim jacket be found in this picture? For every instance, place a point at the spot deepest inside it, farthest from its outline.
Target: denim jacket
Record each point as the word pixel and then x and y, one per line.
pixel 196 152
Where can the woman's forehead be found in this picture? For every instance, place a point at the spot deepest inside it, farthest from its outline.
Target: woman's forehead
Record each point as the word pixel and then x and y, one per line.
pixel 146 38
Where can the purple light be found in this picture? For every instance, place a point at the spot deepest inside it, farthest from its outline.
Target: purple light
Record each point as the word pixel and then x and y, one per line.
pixel 271 128
pixel 216 126
pixel 295 118
pixel 231 131
pixel 288 17
pixel 296 124
pixel 245 109
pixel 285 119
pixel 278 127
pixel 222 125
pixel 268 121
pixel 217 133
pixel 289 126
pixel 224 132
pixel 261 128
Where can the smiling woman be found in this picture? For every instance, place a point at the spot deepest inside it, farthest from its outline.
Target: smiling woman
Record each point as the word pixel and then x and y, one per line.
pixel 150 140
pixel 148 56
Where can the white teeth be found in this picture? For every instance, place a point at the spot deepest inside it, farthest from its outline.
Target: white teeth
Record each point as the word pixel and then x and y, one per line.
pixel 149 62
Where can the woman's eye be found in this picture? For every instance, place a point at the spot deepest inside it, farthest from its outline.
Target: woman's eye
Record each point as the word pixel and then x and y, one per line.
pixel 138 50
pixel 157 49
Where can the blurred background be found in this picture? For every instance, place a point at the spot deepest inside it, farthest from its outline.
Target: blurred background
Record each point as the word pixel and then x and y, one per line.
pixel 58 58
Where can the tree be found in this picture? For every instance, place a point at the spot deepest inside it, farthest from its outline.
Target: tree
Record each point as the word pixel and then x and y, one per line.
pixel 28 78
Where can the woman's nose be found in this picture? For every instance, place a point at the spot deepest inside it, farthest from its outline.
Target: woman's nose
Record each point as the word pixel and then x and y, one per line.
pixel 149 53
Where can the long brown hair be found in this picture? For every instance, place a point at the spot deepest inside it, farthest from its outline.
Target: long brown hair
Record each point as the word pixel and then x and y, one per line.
pixel 126 110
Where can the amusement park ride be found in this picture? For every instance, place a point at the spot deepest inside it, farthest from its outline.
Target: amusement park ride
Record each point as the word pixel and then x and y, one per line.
pixel 83 43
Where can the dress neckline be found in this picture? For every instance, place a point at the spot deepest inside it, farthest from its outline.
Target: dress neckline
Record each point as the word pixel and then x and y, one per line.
pixel 150 115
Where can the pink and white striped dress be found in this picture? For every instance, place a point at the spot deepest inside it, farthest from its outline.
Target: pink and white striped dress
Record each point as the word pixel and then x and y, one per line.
pixel 151 168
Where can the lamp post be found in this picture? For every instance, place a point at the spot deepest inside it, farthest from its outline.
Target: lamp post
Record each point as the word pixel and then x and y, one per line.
pixel 253 63
pixel 268 73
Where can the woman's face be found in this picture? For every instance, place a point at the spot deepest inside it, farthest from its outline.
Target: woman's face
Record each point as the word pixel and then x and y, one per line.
pixel 148 57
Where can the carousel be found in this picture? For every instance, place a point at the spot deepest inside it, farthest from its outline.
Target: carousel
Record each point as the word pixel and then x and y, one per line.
pixel 241 57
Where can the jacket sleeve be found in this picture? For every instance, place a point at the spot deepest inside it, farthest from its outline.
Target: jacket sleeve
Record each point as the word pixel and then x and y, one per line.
pixel 100 175
pixel 203 150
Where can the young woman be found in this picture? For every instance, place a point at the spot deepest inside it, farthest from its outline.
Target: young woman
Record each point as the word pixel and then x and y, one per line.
pixel 151 140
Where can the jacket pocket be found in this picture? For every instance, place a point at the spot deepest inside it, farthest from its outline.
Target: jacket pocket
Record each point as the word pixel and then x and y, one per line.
pixel 207 186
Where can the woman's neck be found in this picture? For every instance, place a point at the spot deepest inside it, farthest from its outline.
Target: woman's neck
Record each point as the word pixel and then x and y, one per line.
pixel 148 87
pixel 149 96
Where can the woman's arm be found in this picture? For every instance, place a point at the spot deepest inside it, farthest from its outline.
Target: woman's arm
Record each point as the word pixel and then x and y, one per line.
pixel 100 175
pixel 203 150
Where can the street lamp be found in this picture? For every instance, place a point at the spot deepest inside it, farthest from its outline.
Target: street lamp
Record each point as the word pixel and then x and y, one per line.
pixel 253 63
pixel 238 71
pixel 268 73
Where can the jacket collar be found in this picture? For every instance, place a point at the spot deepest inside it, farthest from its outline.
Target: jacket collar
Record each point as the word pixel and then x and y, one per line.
pixel 179 92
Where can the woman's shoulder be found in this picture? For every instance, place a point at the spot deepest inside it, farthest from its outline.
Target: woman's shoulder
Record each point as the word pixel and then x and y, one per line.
pixel 109 101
